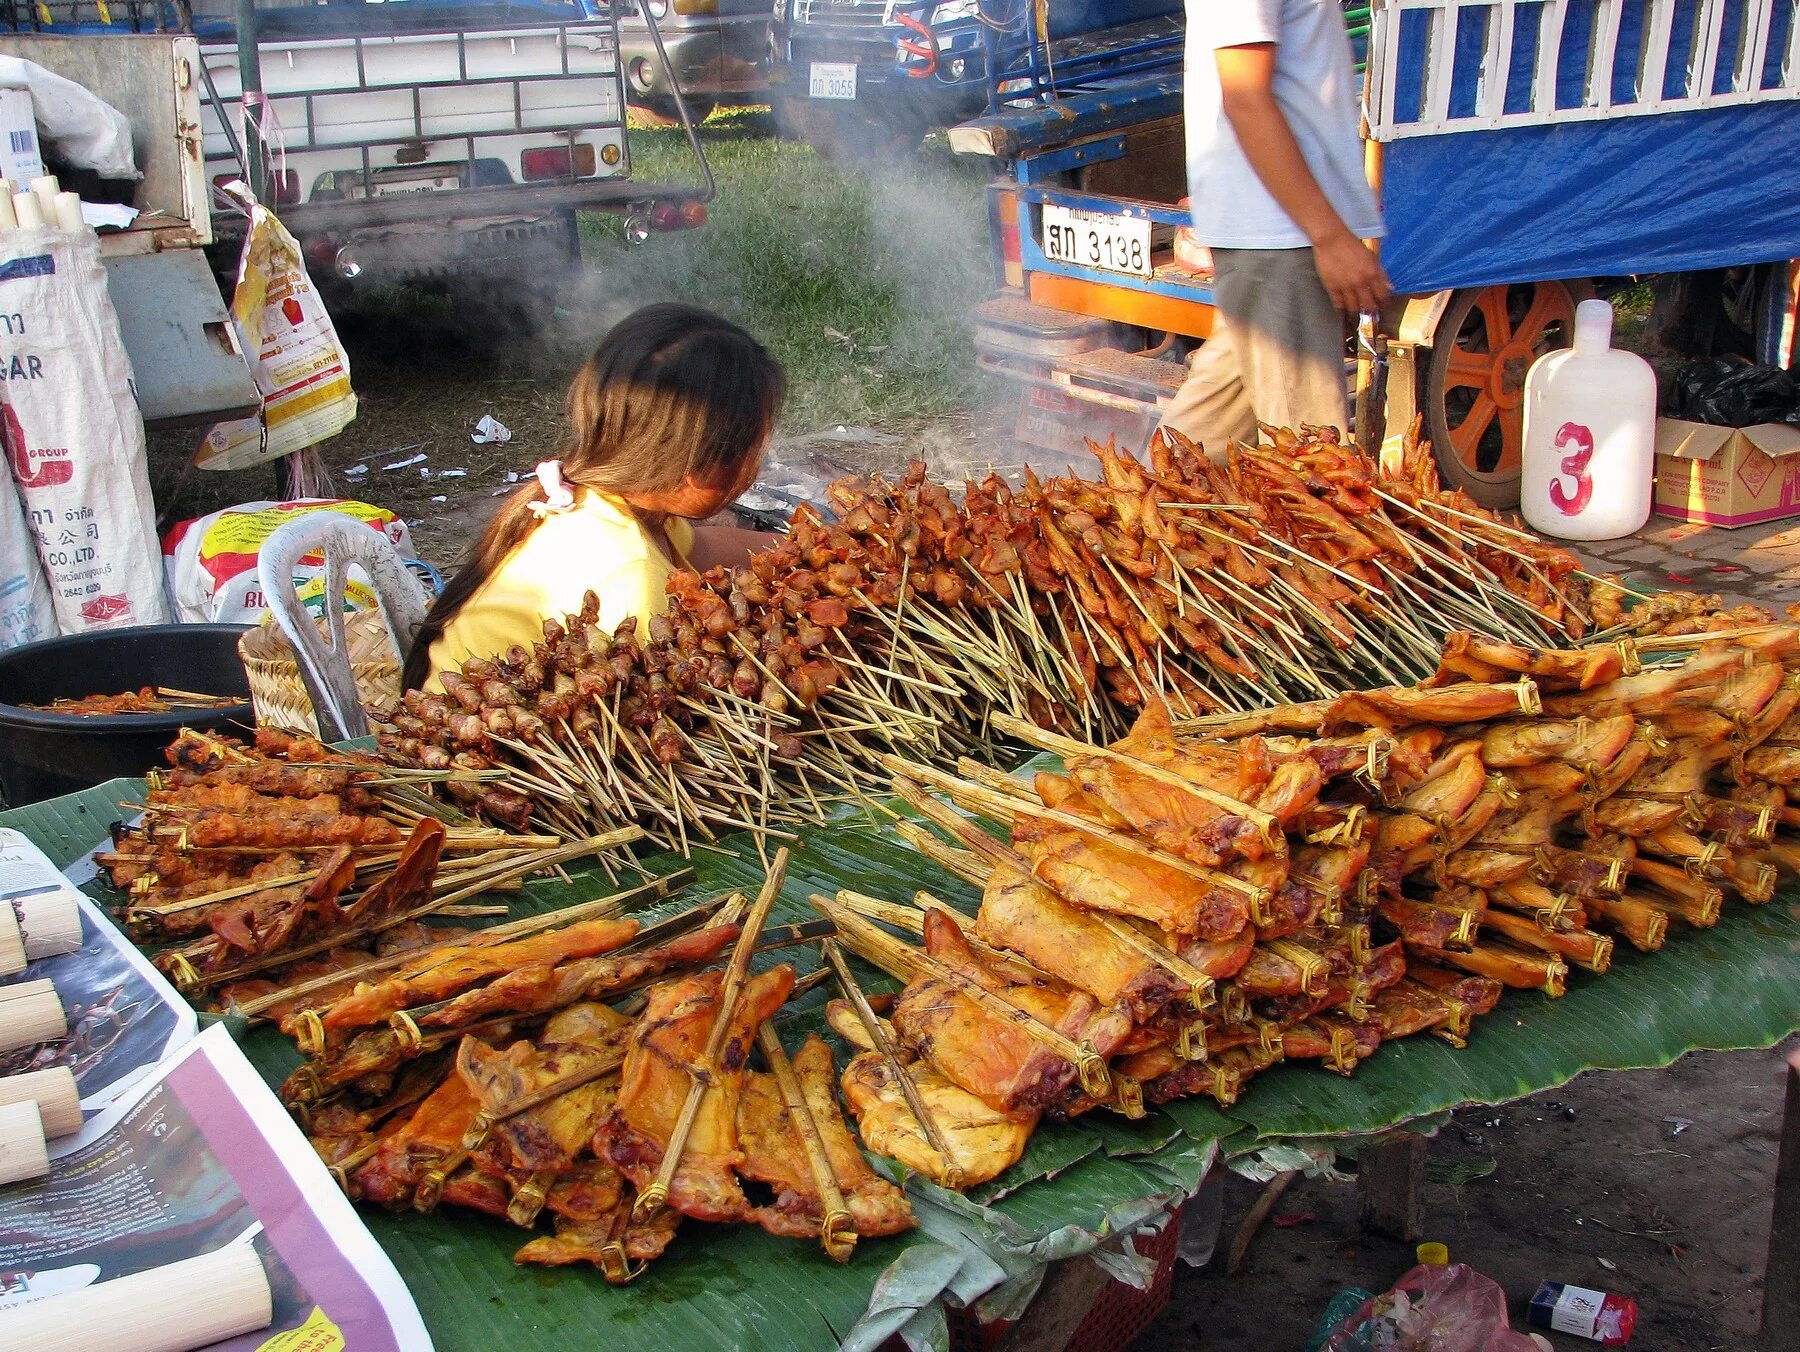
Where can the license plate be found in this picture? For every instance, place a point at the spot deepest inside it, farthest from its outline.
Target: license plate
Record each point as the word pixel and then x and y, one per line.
pixel 833 80
pixel 406 187
pixel 1092 239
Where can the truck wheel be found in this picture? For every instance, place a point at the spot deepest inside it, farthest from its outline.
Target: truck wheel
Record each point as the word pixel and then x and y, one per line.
pixel 1474 382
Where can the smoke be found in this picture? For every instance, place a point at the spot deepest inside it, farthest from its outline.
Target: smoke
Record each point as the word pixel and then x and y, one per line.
pixel 860 276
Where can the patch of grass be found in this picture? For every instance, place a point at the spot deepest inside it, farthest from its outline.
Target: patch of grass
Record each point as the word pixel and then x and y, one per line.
pixel 859 278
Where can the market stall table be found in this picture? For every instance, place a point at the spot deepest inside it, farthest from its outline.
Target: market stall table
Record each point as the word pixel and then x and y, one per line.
pixel 1078 1185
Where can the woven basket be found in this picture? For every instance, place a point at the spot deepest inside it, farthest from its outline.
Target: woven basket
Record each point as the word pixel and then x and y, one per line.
pixel 274 670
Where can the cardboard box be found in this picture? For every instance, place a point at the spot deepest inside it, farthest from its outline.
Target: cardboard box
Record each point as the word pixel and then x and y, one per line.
pixel 1727 476
pixel 20 159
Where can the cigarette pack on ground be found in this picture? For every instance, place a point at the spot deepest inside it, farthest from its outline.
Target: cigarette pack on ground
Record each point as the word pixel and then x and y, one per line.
pixel 1727 476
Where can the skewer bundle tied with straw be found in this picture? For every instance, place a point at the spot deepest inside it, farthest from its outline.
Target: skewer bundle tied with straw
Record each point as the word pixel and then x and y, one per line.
pixel 175 1308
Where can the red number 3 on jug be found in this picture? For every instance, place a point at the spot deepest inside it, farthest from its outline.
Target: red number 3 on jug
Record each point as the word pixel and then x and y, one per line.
pixel 1575 465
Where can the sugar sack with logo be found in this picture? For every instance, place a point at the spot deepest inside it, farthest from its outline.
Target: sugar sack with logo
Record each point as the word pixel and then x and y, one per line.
pixel 293 348
pixel 26 613
pixel 74 439
pixel 211 560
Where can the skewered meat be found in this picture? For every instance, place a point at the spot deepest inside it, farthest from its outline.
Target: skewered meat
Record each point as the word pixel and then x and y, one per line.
pixel 773 1154
pixel 991 1056
pixel 443 973
pixel 983 1141
pixel 1071 944
pixel 663 1061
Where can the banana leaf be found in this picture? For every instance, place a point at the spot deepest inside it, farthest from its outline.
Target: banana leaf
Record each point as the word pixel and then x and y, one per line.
pixel 1730 987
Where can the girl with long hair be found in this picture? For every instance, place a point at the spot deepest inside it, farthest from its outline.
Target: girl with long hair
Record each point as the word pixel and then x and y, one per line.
pixel 668 421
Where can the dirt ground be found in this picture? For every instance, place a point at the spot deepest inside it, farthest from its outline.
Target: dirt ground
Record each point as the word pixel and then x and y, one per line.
pixel 1653 1184
pixel 1589 1184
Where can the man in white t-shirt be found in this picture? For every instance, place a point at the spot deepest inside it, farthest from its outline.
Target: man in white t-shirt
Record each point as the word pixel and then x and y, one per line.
pixel 1278 195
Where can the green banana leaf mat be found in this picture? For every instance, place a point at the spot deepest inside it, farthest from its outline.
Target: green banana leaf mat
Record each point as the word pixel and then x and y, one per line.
pixel 1734 986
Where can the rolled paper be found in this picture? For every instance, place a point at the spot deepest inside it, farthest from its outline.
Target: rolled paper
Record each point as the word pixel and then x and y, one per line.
pixel 50 925
pixel 58 1100
pixel 30 1013
pixel 28 210
pixel 45 190
pixel 23 1151
pixel 9 219
pixel 68 212
pixel 12 944
pixel 175 1308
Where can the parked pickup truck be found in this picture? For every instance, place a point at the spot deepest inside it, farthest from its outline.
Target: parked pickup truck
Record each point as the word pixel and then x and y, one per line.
pixel 440 141
pixel 860 76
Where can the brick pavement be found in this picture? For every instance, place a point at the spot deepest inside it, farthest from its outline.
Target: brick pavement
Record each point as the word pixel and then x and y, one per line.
pixel 1751 563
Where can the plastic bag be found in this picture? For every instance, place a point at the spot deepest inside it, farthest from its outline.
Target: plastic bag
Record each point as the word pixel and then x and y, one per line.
pixel 212 560
pixel 1434 1308
pixel 78 127
pixel 293 347
pixel 1733 394
pixel 74 439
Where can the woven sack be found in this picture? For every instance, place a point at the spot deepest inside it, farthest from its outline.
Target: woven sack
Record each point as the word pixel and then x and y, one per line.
pixel 280 695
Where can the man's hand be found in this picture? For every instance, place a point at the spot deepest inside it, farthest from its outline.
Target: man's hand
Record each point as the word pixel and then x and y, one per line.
pixel 1351 272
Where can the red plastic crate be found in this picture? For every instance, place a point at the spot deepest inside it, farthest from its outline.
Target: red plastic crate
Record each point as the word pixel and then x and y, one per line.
pixel 1121 1312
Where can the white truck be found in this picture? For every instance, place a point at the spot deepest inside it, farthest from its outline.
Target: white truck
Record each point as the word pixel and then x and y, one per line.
pixel 448 143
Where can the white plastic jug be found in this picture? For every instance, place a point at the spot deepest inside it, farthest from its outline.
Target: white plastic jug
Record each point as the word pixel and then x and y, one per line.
pixel 1590 435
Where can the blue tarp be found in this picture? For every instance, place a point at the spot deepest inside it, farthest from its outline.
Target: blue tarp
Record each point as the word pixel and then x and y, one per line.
pixel 1667 192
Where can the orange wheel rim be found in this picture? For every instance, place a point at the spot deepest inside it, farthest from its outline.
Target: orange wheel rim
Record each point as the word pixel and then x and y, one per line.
pixel 1504 330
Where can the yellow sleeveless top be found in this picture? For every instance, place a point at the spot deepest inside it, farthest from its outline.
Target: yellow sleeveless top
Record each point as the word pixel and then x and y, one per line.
pixel 599 546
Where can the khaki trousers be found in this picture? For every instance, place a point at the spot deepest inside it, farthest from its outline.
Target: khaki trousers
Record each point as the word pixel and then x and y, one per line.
pixel 1276 354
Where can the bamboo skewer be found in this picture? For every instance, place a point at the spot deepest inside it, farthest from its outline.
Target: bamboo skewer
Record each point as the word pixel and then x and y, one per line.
pixel 653 1198
pixel 983 846
pixel 837 1231
pixel 981 798
pixel 599 908
pixel 952 1173
pixel 909 963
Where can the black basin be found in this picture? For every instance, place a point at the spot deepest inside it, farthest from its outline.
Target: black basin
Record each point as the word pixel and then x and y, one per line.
pixel 43 754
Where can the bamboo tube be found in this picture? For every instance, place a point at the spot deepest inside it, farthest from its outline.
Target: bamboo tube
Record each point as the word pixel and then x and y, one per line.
pixel 29 211
pixel 50 925
pixel 1584 948
pixel 837 1232
pixel 24 1153
pixel 175 1308
pixel 12 944
pixel 54 1092
pixel 1644 924
pixel 30 1013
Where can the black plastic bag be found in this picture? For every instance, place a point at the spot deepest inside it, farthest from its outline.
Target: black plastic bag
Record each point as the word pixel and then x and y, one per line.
pixel 1733 394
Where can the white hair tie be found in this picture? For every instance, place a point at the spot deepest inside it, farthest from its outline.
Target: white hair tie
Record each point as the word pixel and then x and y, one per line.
pixel 558 495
